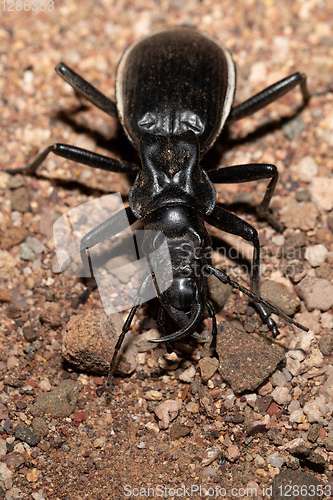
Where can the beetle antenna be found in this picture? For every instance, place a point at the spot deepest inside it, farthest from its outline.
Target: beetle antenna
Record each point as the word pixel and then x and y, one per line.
pixel 224 278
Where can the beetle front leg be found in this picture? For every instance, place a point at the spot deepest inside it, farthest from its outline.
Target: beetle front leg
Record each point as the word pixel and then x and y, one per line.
pixel 248 173
pixel 86 89
pixel 230 223
pixel 78 155
pixel 104 231
pixel 270 94
pixel 107 229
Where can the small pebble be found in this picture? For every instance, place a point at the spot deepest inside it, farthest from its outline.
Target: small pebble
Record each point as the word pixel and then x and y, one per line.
pixel 26 252
pixel 208 367
pixel 321 189
pixel 278 379
pixel 316 255
pixel 317 293
pixel 153 396
pixel 3 448
pixel 275 460
pixel 45 385
pixel 167 411
pixel 313 433
pixel 4 180
pixel 188 375
pixel 32 475
pixel 5 473
pixel 208 471
pixel 37 496
pixel 307 169
pixel 297 416
pixel 35 244
pixel 20 200
pixel 233 453
pixel 312 409
pixel 281 395
pixel 211 454
pixel 326 344
pixel 99 442
pixel 327 320
pixel 26 434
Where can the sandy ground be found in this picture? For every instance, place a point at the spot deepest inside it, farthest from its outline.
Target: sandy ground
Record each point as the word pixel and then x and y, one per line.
pixel 97 448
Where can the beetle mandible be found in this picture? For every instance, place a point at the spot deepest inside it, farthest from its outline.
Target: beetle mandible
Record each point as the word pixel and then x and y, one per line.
pixel 174 94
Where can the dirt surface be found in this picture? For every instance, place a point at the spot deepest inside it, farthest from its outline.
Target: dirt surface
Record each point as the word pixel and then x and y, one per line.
pixel 174 428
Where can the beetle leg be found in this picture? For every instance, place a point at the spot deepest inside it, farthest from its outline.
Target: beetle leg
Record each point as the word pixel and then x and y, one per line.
pixel 232 224
pixel 86 89
pixel 248 173
pixel 161 324
pixel 270 94
pixel 79 155
pixel 125 328
pixel 105 230
pixel 214 326
pixel 224 278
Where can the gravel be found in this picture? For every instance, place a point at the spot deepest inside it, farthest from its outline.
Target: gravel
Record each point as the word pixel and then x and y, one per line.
pixel 279 430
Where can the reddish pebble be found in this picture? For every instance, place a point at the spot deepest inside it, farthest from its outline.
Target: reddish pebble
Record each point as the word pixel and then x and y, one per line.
pixel 272 409
pixel 79 416
pixel 98 380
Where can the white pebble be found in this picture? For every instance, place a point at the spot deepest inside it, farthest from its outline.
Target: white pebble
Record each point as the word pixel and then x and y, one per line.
pixel 312 409
pixel 327 320
pixel 293 406
pixel 37 496
pixel 297 416
pixel 316 255
pixel 3 448
pixel 307 169
pixel 45 384
pixel 321 193
pixel 167 411
pixel 153 396
pixel 211 454
pixel 275 460
pixel 188 375
pixel 281 395
pixel 5 473
pixel 278 379
pixel 259 460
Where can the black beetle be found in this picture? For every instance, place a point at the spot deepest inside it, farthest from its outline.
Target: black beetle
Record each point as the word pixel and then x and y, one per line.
pixel 174 93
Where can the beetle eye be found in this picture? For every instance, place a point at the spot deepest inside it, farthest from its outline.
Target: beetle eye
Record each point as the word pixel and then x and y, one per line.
pixel 192 122
pixel 148 122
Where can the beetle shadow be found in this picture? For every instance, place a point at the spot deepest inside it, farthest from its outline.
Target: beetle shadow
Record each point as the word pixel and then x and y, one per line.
pixel 118 145
pixel 225 143
pixel 219 243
